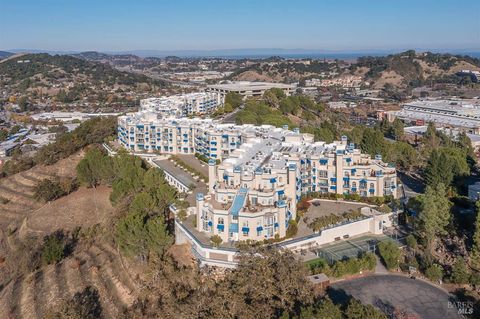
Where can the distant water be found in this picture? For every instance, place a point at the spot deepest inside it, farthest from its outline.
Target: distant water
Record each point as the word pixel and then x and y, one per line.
pixel 328 56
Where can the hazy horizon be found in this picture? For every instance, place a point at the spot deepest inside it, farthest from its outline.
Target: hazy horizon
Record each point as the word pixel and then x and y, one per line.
pixel 256 52
pixel 190 25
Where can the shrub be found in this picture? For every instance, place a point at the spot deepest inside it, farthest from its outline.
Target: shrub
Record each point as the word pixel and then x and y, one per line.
pixel 355 309
pixel 54 248
pixel 292 228
pixel 390 254
pixel 340 268
pixel 411 241
pixel 216 240
pixel 434 272
pixel 84 304
pixel 182 215
pixel 48 190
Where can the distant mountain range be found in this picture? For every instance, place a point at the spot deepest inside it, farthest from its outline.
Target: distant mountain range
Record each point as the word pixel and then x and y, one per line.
pixel 256 53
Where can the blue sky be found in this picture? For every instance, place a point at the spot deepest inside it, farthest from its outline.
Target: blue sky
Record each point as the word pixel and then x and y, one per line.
pixel 346 25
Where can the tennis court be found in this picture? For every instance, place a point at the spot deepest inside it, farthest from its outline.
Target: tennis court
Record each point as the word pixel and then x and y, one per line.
pixel 351 247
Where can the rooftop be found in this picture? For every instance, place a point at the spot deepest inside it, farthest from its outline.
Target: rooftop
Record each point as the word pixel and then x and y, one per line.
pixel 248 86
pixel 185 178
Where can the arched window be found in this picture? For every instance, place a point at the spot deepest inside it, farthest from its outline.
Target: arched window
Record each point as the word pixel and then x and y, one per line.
pixel 354 184
pixel 372 186
pixel 221 221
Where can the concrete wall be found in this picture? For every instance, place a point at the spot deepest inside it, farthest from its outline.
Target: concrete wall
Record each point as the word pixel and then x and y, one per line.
pixel 372 225
pixel 222 257
pixel 206 255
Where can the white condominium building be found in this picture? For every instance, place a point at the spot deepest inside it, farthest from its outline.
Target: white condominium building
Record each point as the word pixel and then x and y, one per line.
pixel 264 170
pixel 146 132
pixel 183 104
pixel 254 192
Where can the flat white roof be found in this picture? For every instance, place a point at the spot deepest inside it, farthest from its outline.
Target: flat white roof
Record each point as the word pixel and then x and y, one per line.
pixel 249 86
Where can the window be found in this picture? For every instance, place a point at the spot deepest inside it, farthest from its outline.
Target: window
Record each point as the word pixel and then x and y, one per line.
pixel 372 186
pixel 245 229
pixel 221 221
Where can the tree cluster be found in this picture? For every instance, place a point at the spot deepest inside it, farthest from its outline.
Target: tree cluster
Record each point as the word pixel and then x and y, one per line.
pixel 47 190
pixel 340 268
pixel 96 130
pixel 145 194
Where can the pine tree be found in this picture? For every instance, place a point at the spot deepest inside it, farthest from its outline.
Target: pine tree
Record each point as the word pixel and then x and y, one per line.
pixel 460 272
pixel 328 310
pixel 475 253
pixel 397 129
pixel 434 213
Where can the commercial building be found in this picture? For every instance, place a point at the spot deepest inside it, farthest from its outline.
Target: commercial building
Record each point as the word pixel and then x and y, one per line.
pixel 182 104
pixel 415 132
pixel 460 113
pixel 250 89
pixel 68 116
pixel 474 75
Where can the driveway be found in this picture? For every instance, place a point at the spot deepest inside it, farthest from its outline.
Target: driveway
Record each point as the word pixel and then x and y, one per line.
pixel 390 292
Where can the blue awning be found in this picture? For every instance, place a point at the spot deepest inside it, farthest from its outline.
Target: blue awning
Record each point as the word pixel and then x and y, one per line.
pixel 210 223
pixel 371 190
pixel 333 187
pixel 333 179
pixel 259 228
pixel 281 192
pixel 363 181
pixel 354 170
pixel 233 228
pixel 346 179
pixel 245 229
pixel 273 180
pixel 323 161
pixel 302 162
pixel 275 225
pixel 348 160
pixel 221 227
pixel 225 177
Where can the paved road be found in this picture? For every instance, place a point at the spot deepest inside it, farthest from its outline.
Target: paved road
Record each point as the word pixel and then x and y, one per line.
pixel 394 291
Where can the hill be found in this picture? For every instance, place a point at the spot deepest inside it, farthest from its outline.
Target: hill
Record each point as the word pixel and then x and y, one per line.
pixel 411 69
pixel 403 70
pixel 69 78
pixel 276 69
pixel 24 221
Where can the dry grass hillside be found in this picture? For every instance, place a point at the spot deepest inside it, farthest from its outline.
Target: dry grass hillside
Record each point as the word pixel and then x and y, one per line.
pixel 16 191
pixel 99 266
pixel 398 70
pixel 96 263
